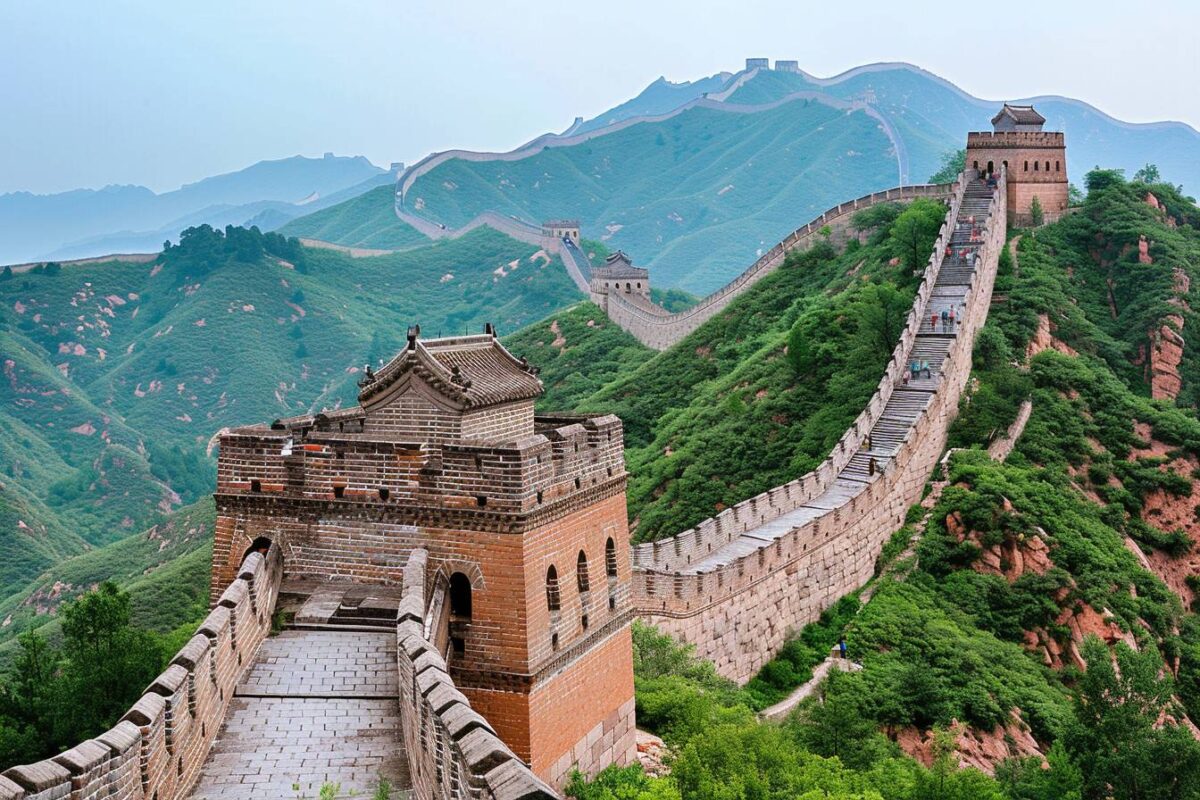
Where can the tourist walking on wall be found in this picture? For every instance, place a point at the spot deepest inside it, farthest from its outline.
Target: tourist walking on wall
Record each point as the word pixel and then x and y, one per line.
pixel 842 647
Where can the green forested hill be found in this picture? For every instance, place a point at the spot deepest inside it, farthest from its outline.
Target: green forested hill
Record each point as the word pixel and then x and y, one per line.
pixel 368 220
pixel 116 375
pixel 1077 551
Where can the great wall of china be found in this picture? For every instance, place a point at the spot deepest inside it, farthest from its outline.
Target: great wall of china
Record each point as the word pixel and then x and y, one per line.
pixel 735 585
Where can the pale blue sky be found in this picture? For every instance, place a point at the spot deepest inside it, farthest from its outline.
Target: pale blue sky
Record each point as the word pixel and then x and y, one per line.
pixel 162 93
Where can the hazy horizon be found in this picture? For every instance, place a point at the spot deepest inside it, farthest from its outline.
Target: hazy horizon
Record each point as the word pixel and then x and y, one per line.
pixel 135 93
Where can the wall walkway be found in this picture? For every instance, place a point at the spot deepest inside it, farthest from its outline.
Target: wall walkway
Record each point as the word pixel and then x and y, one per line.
pixel 738 584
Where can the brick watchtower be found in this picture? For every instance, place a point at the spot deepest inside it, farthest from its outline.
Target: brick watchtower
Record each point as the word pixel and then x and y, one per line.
pixel 523 518
pixel 618 275
pixel 1036 162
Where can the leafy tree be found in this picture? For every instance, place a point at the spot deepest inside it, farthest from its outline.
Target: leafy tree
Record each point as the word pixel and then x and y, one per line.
pixel 108 662
pixel 1057 778
pixel 1075 197
pixel 914 231
pixel 621 783
pixel 1147 174
pixel 1100 179
pixel 1117 705
pixel 7 274
pixel 953 163
pixel 1036 214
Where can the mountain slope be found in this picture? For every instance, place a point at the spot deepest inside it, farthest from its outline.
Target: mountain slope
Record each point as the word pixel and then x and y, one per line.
pixel 116 375
pixel 691 196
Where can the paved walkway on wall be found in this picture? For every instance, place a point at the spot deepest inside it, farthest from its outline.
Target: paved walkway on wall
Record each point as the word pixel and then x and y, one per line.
pixel 318 706
pixel 903 407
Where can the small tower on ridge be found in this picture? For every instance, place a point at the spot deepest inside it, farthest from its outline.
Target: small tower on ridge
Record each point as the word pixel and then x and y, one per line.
pixel 1035 162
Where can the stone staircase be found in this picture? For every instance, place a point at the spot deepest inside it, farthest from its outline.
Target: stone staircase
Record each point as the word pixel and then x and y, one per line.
pixel 907 401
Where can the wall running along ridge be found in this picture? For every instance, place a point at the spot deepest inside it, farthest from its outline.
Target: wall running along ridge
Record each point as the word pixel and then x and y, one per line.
pixel 655 328
pixel 158 748
pixel 452 750
pixel 739 614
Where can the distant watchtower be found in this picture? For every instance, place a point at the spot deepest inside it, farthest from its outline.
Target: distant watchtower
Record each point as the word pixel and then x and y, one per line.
pixel 523 517
pixel 619 276
pixel 1036 162
pixel 562 229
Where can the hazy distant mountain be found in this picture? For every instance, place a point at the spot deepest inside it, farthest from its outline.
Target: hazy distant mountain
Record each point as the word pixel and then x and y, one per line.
pixel 87 222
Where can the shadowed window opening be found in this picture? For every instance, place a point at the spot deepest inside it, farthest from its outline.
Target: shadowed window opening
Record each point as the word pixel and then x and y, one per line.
pixel 581 572
pixel 553 602
pixel 610 558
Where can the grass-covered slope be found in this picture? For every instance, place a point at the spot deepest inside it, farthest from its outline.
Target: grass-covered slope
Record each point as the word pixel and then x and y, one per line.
pixel 695 198
pixel 368 220
pixel 165 568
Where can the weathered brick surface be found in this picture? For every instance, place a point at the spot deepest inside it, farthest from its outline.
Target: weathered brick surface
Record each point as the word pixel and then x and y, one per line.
pixel 1036 163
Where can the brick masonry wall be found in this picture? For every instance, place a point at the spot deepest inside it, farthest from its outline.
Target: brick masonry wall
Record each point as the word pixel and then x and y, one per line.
pixel 660 331
pixel 350 506
pixel 453 751
pixel 1036 167
pixel 739 615
pixel 158 748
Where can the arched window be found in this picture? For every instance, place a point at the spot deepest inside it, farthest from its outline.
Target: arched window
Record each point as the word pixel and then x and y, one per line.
pixel 1058 166
pixel 1047 166
pixel 552 599
pixel 975 166
pixel 1027 166
pixel 460 596
pixel 581 572
pixel 1035 166
pixel 610 558
pixel 627 289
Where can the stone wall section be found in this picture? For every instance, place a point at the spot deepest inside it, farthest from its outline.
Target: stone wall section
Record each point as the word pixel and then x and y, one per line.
pixel 739 614
pixel 659 330
pixel 158 748
pixel 452 750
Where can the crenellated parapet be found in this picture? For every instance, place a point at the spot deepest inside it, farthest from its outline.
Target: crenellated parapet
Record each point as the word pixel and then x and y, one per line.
pixel 307 459
pixel 737 584
pixel 157 749
pixel 452 750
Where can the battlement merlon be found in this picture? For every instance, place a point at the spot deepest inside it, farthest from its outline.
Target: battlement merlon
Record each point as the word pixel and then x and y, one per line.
pixel 1016 139
pixel 564 457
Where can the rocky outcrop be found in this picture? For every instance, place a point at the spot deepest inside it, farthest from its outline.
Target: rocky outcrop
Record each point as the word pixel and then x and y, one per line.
pixel 982 750
pixel 1166 345
pixel 1044 339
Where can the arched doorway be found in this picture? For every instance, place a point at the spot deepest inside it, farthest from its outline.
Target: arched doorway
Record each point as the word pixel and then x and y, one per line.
pixel 260 545
pixel 459 591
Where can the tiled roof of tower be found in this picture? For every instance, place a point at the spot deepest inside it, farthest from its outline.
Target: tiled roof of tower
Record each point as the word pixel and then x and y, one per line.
pixel 472 371
pixel 618 265
pixel 1023 115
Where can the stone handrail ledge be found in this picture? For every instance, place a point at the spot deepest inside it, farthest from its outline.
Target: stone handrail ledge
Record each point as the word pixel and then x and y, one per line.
pixel 660 563
pixel 160 745
pixel 734 521
pixel 662 331
pixel 452 750
pixel 657 565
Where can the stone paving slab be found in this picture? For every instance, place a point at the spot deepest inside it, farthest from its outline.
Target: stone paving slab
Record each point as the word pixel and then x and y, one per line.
pixel 316 707
pixel 324 663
